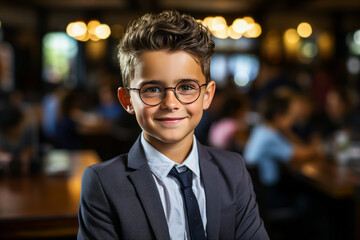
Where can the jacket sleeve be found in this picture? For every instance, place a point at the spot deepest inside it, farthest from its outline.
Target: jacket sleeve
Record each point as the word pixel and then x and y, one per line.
pixel 95 218
pixel 249 224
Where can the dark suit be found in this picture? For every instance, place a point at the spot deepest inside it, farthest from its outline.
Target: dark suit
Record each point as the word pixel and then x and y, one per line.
pixel 120 200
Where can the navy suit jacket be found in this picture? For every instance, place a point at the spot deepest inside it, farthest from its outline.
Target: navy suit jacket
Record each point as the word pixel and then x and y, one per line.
pixel 119 198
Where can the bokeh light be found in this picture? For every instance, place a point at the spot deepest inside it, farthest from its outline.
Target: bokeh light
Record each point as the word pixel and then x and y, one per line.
pixel 233 34
pixel 254 30
pixel 240 25
pixel 357 37
pixel 325 44
pixel 241 79
pixel 249 19
pixel 102 31
pixel 218 24
pixel 208 21
pixel 92 25
pixel 353 65
pixel 291 36
pixel 76 29
pixel 309 49
pixel 222 34
pixel 304 30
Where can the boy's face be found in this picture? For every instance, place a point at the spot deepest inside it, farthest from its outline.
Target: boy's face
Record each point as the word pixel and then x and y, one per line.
pixel 171 121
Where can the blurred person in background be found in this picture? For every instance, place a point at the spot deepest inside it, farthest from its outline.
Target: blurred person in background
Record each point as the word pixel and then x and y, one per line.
pixel 340 114
pixel 70 118
pixel 230 130
pixel 271 78
pixel 50 112
pixel 16 144
pixel 303 127
pixel 273 144
pixel 109 107
pixel 210 115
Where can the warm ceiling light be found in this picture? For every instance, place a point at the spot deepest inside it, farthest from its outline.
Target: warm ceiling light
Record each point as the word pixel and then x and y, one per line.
pixel 85 37
pixel 92 26
pixel 94 37
pixel 208 21
pixel 218 24
pixel 249 19
pixel 233 34
pixel 254 30
pixel 102 31
pixel 221 34
pixel 304 29
pixel 240 25
pixel 76 29
pixel 291 36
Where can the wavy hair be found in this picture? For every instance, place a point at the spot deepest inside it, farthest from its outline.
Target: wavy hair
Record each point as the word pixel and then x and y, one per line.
pixel 170 31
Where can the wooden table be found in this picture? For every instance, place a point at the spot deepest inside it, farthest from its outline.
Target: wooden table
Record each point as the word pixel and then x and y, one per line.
pixel 334 180
pixel 338 181
pixel 43 206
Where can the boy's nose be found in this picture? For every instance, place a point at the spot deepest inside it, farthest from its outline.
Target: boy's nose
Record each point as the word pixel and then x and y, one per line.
pixel 170 101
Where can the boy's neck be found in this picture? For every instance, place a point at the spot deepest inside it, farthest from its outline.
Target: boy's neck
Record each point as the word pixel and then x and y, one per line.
pixel 176 152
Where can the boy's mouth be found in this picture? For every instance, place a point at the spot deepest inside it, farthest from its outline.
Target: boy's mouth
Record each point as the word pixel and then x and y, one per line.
pixel 170 120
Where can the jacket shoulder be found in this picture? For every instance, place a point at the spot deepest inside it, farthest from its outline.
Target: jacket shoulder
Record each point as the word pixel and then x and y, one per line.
pixel 112 166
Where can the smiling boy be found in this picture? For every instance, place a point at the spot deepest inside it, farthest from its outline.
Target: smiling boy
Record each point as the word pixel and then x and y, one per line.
pixel 168 186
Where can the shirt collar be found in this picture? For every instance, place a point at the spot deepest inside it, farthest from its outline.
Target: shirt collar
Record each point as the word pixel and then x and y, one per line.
pixel 160 165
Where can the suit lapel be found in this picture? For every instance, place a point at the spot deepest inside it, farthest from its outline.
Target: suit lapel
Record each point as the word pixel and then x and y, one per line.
pixel 145 186
pixel 210 175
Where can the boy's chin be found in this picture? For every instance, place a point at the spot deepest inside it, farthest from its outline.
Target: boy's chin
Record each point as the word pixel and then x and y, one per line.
pixel 172 138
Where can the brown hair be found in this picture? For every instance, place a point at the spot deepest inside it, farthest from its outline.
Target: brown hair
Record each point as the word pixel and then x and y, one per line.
pixel 168 30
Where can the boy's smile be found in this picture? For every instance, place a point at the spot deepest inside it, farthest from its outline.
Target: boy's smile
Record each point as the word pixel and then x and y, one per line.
pixel 171 123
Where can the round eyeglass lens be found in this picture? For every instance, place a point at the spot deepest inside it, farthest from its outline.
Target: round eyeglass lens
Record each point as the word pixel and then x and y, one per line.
pixel 187 91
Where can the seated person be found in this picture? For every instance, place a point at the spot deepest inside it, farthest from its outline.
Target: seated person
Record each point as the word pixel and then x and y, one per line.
pixel 16 145
pixel 109 108
pixel 230 131
pixel 272 142
pixel 340 114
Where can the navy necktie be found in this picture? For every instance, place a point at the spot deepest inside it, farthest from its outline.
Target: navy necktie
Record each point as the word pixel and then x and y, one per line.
pixel 192 207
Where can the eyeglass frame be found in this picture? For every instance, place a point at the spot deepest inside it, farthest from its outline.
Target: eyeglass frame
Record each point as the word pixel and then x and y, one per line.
pixel 164 94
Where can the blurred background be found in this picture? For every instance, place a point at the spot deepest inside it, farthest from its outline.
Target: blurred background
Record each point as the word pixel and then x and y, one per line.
pixel 288 84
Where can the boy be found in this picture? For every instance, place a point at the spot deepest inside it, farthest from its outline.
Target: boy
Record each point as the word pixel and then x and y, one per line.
pixel 168 186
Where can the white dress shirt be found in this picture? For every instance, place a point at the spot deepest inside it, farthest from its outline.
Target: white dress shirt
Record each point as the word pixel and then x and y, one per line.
pixel 169 188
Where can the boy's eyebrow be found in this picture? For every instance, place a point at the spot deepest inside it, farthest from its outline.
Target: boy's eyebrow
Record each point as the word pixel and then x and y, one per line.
pixel 145 82
pixel 189 79
pixel 150 82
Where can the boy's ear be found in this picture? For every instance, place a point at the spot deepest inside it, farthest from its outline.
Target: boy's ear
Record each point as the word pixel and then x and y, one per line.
pixel 209 94
pixel 125 100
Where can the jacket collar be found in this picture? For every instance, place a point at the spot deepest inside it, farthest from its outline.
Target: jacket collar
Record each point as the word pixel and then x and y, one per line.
pixel 145 187
pixel 210 177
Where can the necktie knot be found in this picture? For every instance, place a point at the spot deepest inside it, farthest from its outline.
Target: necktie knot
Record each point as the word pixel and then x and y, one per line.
pixel 184 178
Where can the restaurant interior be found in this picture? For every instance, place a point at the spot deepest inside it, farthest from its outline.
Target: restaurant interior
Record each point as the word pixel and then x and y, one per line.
pixel 59 111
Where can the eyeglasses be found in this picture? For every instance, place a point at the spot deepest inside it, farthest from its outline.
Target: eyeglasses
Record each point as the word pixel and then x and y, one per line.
pixel 186 91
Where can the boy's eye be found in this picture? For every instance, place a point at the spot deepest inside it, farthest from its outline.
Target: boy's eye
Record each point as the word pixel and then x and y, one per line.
pixel 186 87
pixel 151 89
